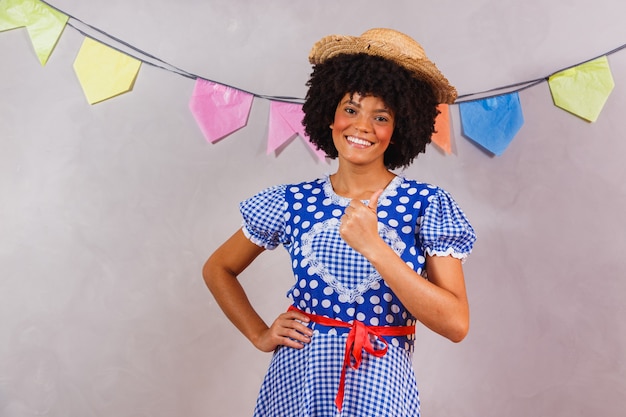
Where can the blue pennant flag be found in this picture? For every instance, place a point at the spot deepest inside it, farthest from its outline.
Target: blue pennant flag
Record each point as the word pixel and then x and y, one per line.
pixel 492 122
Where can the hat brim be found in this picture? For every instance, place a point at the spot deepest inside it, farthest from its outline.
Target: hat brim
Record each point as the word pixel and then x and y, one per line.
pixel 423 69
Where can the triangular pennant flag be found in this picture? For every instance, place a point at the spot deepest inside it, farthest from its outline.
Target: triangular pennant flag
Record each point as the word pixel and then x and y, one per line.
pixel 583 90
pixel 492 122
pixel 104 72
pixel 279 130
pixel 44 24
pixel 219 110
pixel 441 137
pixel 285 122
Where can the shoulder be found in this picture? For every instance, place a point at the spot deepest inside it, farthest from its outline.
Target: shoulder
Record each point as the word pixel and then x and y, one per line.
pixel 304 189
pixel 276 195
pixel 307 185
pixel 411 184
pixel 444 228
pixel 270 198
pixel 416 190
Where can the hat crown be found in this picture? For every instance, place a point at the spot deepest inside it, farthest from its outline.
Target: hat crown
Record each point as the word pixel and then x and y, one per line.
pixel 398 41
pixel 392 45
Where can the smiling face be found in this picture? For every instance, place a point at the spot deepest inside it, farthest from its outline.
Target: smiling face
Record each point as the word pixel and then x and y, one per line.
pixel 362 129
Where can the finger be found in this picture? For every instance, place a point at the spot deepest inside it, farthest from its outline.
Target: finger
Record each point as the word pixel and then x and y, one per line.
pixel 373 202
pixel 291 337
pixel 294 344
pixel 298 335
pixel 295 315
pixel 295 321
pixel 288 325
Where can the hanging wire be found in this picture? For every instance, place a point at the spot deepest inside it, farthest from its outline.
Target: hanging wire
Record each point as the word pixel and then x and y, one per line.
pixel 114 42
pixel 511 88
pixel 85 29
pixel 517 87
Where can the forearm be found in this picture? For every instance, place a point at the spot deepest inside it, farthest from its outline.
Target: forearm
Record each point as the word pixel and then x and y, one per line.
pixel 220 273
pixel 234 302
pixel 440 302
pixel 440 309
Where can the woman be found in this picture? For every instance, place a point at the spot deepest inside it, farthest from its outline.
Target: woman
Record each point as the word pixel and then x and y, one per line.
pixel 361 240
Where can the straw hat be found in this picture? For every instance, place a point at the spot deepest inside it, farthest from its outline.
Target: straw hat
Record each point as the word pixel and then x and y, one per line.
pixel 392 45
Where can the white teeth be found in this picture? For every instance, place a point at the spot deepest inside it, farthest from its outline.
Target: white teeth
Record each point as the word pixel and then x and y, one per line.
pixel 358 141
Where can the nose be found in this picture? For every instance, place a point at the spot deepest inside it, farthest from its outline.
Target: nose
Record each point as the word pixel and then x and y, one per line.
pixel 362 124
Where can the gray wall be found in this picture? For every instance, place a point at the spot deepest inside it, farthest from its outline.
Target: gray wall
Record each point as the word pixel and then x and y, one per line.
pixel 107 212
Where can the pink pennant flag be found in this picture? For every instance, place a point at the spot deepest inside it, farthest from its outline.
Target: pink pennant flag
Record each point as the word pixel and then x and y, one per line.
pixel 280 132
pixel 285 122
pixel 219 110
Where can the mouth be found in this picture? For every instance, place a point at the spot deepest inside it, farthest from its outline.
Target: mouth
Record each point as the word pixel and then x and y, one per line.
pixel 358 141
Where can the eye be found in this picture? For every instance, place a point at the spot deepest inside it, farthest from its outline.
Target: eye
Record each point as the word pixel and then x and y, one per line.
pixel 381 119
pixel 350 110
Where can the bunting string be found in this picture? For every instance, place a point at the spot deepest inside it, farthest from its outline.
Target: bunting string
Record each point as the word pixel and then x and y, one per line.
pixel 156 62
pixel 511 88
pixel 521 86
pixel 111 41
pixel 490 118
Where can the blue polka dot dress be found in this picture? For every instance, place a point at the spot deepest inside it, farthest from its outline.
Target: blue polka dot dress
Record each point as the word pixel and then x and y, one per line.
pixel 333 280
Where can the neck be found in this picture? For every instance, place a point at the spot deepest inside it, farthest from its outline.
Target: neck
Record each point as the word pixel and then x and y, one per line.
pixel 352 182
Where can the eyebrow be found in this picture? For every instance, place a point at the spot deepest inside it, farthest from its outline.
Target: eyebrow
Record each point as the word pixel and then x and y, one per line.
pixel 357 104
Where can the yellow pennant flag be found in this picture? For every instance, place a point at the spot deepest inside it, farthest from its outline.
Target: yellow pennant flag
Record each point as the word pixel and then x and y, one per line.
pixel 104 72
pixel 44 24
pixel 583 90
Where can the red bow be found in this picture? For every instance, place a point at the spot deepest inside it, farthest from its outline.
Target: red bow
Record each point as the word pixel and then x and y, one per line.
pixel 358 340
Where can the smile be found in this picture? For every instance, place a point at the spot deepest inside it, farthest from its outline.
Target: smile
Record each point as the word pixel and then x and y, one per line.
pixel 358 141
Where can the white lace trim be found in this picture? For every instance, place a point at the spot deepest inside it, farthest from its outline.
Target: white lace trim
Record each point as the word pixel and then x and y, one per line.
pixel 318 267
pixel 345 201
pixel 448 252
pixel 254 239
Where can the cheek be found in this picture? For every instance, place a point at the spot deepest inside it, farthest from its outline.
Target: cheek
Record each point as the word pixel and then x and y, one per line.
pixel 341 122
pixel 385 133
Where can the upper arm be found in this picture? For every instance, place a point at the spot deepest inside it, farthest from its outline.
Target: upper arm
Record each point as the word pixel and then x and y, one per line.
pixel 233 256
pixel 447 272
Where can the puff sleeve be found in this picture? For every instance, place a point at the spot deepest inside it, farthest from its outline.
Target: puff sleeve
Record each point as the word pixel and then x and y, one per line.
pixel 445 230
pixel 264 217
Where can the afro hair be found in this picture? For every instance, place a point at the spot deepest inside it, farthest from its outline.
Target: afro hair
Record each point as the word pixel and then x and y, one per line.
pixel 411 101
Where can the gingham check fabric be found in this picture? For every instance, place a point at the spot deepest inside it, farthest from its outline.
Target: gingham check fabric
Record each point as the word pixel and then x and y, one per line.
pixel 303 383
pixel 333 280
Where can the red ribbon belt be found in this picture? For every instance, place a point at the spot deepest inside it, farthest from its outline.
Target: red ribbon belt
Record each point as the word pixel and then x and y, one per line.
pixel 358 340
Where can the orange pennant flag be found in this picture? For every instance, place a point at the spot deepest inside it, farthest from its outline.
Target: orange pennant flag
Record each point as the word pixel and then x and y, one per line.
pixel 441 137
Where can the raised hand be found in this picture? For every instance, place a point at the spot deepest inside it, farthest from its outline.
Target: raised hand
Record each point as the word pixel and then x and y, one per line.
pixel 359 224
